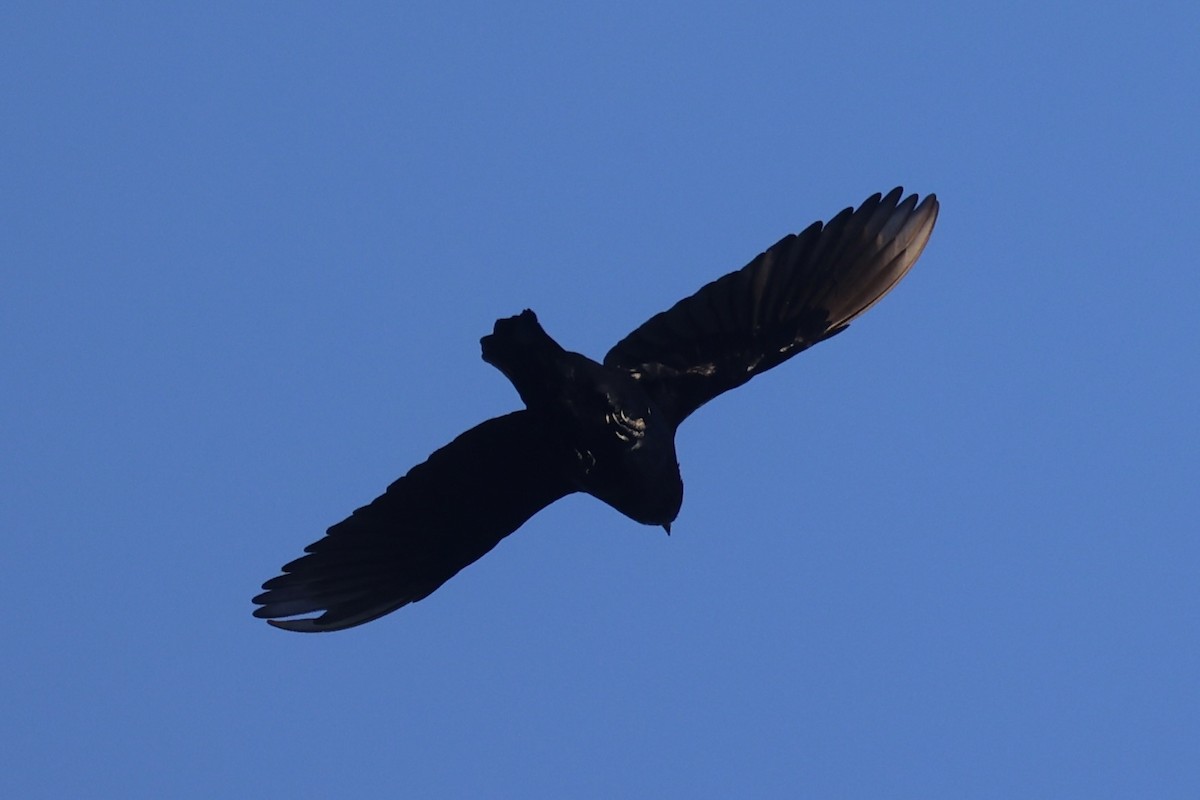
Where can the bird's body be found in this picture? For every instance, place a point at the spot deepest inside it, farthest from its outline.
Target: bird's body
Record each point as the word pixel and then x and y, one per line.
pixel 615 444
pixel 606 429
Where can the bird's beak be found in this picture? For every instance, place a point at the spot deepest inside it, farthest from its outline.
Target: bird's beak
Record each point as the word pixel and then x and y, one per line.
pixel 667 528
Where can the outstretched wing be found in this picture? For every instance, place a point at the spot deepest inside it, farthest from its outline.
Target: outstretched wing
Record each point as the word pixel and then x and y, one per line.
pixel 806 288
pixel 440 517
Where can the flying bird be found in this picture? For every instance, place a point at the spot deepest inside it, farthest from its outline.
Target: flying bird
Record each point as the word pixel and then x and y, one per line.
pixel 604 428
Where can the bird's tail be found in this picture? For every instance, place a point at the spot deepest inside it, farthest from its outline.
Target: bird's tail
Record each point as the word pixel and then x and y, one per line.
pixel 521 349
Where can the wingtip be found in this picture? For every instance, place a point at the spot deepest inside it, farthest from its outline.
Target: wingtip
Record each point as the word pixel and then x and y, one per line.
pixel 298 625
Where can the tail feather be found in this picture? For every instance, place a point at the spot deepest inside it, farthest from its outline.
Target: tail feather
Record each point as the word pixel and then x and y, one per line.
pixel 520 348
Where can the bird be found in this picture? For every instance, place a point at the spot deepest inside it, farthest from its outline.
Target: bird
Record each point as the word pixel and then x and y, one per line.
pixel 604 428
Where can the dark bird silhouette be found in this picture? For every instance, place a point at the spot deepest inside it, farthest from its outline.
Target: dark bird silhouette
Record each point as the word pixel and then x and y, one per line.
pixel 607 429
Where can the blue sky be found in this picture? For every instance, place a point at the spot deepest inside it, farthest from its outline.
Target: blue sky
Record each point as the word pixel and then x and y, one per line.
pixel 248 252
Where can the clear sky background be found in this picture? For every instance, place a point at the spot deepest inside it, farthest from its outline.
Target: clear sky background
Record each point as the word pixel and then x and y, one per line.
pixel 246 255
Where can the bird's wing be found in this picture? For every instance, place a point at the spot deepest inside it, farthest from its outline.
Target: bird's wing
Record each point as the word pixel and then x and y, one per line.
pixel 804 289
pixel 440 517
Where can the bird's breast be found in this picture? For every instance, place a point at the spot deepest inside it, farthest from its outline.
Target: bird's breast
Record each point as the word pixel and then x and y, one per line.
pixel 629 462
